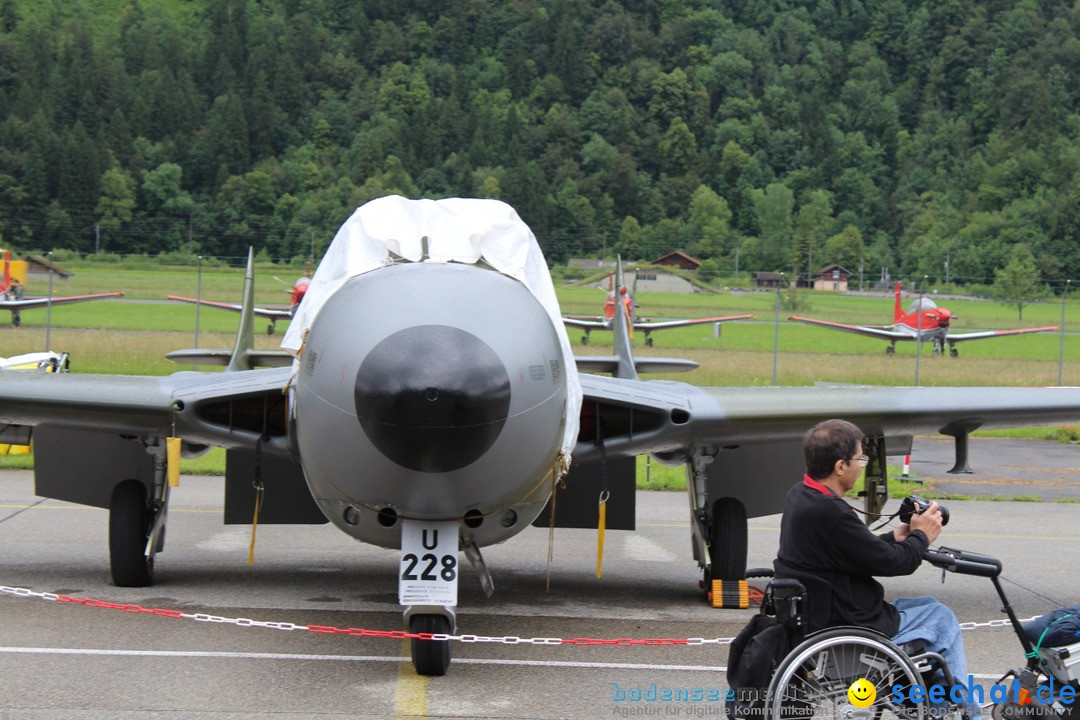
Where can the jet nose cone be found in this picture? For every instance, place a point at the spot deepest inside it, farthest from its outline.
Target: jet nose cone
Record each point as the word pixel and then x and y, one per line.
pixel 432 398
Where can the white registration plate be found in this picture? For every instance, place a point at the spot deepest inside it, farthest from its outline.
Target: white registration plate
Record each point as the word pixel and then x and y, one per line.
pixel 429 563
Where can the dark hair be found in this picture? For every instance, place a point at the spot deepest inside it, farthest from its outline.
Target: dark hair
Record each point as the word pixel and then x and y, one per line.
pixel 827 442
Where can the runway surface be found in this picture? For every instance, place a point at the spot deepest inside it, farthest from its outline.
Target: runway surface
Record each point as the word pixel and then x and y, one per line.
pixel 63 660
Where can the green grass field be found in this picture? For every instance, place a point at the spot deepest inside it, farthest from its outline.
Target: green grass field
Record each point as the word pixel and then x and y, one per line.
pixel 742 355
pixel 132 335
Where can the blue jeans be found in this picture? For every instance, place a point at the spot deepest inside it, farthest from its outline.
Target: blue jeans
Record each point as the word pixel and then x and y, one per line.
pixel 926 619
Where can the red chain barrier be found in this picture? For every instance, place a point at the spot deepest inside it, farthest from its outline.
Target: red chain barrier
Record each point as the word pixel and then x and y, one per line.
pixel 360 632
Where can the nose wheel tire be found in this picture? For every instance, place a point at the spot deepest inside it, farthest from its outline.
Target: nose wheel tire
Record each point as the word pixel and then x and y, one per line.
pixel 430 657
pixel 129 528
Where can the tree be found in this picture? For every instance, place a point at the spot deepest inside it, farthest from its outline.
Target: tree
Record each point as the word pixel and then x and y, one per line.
pixel 629 245
pixel 116 203
pixel 773 207
pixel 678 149
pixel 811 230
pixel 710 219
pixel 1018 282
pixel 845 248
pixel 168 206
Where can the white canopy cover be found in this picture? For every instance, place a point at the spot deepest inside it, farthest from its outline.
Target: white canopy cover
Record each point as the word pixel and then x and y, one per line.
pixel 463 230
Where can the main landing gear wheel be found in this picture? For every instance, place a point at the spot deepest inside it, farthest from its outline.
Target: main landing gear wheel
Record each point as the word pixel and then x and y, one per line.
pixel 890 351
pixel 129 527
pixel 584 339
pixel 430 657
pixel 728 540
pixel 813 680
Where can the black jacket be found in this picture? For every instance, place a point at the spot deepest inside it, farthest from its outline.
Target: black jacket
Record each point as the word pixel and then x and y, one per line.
pixel 821 537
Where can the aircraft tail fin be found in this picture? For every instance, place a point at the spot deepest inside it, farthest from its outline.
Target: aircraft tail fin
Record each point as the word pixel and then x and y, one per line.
pixel 898 312
pixel 622 325
pixel 245 333
pixel 622 363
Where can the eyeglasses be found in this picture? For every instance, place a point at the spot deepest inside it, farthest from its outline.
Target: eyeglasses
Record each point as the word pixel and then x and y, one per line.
pixel 861 459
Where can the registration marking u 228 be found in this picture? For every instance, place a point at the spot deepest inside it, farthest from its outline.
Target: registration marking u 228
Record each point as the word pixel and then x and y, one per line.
pixel 428 572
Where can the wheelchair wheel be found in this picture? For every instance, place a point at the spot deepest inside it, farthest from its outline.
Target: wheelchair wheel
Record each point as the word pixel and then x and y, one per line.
pixel 813 680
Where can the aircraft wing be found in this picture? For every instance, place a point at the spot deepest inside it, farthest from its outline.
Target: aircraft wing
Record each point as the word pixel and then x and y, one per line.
pixel 268 313
pixel 960 337
pixel 754 434
pixel 582 323
pixel 867 330
pixel 208 408
pixel 665 324
pixel 39 302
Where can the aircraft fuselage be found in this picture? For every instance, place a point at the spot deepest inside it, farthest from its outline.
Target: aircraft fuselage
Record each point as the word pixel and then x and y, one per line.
pixel 433 392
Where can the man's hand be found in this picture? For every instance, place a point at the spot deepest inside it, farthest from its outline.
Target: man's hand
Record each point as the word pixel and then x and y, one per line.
pixel 929 521
pixel 901 531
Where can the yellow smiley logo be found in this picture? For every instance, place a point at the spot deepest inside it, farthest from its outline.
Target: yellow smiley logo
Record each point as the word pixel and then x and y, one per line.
pixel 862 693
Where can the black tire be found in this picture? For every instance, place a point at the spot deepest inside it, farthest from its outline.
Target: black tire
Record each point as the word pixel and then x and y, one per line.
pixel 129 527
pixel 728 540
pixel 430 657
pixel 813 680
pixel 584 339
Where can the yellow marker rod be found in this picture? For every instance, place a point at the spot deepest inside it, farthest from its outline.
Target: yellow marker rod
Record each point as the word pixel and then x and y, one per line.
pixel 172 461
pixel 601 526
pixel 255 522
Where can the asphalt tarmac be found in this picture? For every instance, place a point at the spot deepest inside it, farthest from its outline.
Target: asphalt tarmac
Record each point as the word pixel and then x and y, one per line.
pixel 67 660
pixel 1003 468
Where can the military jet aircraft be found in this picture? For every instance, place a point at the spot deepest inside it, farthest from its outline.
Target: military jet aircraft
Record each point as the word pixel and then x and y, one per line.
pixel 924 320
pixel 604 322
pixel 296 294
pixel 434 405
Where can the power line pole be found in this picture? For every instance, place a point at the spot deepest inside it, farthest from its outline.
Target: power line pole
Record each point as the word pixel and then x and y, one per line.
pixel 1061 351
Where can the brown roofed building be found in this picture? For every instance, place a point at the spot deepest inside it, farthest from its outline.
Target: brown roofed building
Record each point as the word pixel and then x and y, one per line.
pixel 678 259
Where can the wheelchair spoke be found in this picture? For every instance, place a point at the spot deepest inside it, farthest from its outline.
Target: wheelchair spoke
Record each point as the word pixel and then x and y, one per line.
pixel 813 681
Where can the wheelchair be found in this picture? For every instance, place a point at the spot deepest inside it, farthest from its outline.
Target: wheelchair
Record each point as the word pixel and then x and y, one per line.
pixel 813 680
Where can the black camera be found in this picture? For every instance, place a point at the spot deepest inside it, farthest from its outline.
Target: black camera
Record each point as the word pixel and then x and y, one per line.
pixel 914 505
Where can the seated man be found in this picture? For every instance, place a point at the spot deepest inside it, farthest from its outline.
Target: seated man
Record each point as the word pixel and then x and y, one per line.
pixel 822 537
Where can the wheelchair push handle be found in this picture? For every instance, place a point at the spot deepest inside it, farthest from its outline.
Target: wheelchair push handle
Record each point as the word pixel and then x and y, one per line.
pixel 963 562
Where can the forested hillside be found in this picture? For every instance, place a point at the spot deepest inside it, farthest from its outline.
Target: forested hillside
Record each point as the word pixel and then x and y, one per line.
pixel 779 135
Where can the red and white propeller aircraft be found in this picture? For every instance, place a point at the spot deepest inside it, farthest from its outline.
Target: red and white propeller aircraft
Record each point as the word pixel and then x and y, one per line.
pixel 590 323
pixel 296 294
pixel 924 320
pixel 8 299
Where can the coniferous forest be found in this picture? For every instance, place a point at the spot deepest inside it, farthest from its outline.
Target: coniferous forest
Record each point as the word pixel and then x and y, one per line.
pixel 932 137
